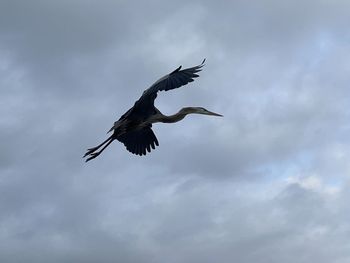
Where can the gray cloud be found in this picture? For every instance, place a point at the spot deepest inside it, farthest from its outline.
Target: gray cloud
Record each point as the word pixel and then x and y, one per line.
pixel 266 183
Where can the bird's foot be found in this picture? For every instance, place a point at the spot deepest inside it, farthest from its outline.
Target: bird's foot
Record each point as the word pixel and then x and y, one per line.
pixel 92 156
pixel 90 151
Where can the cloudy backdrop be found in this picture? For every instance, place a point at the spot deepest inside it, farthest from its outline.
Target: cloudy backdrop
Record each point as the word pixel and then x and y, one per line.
pixel 267 183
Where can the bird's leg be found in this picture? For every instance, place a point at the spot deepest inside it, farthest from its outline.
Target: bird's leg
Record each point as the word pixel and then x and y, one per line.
pixel 91 150
pixel 95 154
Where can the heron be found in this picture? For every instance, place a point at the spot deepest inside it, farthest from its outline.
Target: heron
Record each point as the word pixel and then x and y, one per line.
pixel 134 128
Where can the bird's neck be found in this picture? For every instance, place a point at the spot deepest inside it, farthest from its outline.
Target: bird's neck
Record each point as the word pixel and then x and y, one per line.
pixel 169 118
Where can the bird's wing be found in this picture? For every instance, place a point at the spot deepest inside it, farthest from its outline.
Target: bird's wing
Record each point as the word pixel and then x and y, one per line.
pixel 173 80
pixel 138 141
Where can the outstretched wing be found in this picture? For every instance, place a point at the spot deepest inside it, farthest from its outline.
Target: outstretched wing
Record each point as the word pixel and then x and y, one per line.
pixel 138 141
pixel 173 80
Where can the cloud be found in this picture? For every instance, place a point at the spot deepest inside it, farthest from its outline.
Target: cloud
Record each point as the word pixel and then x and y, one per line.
pixel 268 182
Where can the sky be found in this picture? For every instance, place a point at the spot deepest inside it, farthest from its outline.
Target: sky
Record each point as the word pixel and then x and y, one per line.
pixel 267 183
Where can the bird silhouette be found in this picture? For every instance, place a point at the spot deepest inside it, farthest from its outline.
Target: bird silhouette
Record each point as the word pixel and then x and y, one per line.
pixel 134 128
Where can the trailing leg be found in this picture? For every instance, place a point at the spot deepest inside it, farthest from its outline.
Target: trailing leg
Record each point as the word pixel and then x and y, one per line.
pixel 91 150
pixel 95 154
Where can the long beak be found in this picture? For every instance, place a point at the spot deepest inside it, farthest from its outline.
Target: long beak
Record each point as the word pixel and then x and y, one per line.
pixel 214 114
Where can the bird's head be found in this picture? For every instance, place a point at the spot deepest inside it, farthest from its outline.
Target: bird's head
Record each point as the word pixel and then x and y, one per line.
pixel 199 110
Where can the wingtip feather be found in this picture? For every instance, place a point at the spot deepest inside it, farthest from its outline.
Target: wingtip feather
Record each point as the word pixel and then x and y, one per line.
pixel 176 70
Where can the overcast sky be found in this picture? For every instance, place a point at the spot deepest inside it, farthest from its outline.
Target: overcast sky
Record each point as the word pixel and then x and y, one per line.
pixel 268 183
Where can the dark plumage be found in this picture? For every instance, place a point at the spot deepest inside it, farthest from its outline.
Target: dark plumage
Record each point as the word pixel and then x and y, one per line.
pixel 134 128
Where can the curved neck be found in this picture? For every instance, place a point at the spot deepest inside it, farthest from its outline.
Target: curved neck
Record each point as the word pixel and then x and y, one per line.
pixel 171 118
pixel 159 117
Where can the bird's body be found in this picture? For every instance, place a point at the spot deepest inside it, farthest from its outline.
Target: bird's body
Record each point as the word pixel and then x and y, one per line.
pixel 134 128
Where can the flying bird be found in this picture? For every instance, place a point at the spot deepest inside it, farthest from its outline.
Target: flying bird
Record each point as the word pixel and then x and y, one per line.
pixel 134 128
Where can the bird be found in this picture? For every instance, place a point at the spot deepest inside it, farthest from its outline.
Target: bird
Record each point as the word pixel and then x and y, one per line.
pixel 134 128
